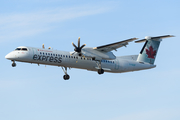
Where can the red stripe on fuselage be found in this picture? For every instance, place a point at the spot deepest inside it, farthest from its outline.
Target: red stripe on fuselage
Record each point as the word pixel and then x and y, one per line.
pixel 45 50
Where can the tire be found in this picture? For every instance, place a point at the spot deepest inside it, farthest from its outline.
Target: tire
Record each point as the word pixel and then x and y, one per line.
pixel 66 77
pixel 13 64
pixel 100 71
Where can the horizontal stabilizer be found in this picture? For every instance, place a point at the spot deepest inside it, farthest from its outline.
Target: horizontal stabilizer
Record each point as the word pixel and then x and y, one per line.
pixel 158 37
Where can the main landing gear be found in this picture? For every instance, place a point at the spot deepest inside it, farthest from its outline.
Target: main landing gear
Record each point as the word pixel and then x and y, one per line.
pixel 66 76
pixel 100 70
pixel 13 64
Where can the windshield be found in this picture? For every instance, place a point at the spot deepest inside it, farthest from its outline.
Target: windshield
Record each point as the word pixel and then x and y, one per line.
pixel 18 49
pixel 23 49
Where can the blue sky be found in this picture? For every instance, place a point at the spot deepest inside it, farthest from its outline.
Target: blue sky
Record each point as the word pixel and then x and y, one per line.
pixel 39 92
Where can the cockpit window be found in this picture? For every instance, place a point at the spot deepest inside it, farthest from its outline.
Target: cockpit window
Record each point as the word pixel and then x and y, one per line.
pixel 24 49
pixel 18 49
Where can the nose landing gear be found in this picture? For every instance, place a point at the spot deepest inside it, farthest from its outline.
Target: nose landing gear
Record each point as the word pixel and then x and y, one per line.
pixel 13 64
pixel 66 76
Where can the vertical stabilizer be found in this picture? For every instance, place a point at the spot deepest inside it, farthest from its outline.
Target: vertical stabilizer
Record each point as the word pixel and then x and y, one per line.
pixel 150 48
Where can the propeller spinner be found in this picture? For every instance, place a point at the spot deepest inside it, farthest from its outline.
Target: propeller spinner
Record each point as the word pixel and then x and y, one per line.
pixel 78 48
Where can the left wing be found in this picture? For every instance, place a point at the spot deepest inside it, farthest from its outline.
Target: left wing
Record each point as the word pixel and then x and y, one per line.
pixel 114 46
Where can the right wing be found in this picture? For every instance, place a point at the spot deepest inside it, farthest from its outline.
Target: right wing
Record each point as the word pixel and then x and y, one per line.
pixel 114 46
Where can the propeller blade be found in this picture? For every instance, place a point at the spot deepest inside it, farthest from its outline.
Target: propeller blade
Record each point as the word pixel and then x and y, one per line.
pixel 43 46
pixel 78 48
pixel 73 53
pixel 79 42
pixel 83 46
pixel 74 45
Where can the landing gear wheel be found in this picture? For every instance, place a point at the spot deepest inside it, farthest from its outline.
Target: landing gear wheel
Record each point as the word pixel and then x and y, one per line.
pixel 100 71
pixel 13 64
pixel 66 77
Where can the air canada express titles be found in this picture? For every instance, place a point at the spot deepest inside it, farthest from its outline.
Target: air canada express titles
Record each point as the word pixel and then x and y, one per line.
pixel 47 58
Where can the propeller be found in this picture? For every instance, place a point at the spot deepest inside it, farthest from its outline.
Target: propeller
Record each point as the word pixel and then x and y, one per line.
pixel 78 48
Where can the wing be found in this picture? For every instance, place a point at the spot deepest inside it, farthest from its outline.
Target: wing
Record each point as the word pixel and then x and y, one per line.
pixel 114 46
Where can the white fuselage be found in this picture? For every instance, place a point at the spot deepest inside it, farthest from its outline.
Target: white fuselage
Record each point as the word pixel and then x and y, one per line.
pixel 65 59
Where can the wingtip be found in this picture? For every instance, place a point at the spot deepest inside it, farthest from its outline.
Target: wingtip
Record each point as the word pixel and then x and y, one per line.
pixel 172 35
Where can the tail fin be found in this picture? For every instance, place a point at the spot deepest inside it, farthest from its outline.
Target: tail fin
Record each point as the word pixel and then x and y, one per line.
pixel 150 48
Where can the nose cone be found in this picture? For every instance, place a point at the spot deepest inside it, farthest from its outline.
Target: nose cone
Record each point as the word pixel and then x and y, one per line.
pixel 9 56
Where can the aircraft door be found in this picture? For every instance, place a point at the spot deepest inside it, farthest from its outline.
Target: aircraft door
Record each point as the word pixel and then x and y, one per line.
pixel 34 51
pixel 116 64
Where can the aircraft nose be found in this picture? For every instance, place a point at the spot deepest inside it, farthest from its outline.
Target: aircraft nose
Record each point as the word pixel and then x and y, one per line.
pixel 9 56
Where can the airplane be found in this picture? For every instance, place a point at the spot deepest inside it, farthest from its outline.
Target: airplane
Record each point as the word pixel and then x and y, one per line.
pixel 100 59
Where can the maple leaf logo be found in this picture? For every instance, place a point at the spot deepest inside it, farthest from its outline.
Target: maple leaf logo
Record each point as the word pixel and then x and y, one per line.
pixel 151 53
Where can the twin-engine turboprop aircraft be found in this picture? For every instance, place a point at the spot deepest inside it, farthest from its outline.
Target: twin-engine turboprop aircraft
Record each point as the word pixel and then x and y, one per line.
pixel 99 59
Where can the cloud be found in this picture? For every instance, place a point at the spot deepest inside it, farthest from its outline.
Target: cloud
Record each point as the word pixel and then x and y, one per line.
pixel 18 25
